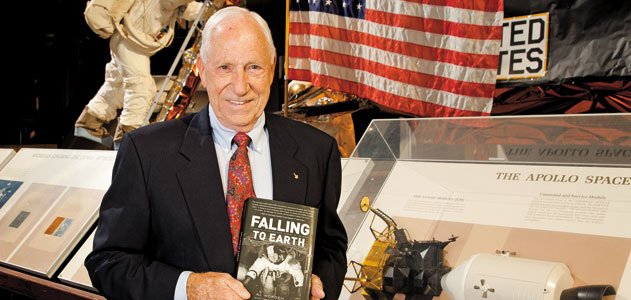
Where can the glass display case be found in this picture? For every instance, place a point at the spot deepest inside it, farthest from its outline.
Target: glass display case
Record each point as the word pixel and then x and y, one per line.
pixel 548 190
pixel 49 201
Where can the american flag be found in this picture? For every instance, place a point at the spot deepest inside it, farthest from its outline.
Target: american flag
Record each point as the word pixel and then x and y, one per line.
pixel 434 58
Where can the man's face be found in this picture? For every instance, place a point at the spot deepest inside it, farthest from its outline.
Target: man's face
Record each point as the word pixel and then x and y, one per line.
pixel 238 73
pixel 272 255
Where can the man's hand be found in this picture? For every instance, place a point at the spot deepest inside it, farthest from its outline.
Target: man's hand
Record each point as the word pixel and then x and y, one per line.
pixel 213 285
pixel 317 289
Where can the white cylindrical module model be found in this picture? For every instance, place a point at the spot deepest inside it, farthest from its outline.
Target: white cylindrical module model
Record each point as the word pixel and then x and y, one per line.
pixel 492 276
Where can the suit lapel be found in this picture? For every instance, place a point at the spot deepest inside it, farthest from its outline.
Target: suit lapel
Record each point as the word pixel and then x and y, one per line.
pixel 202 188
pixel 290 175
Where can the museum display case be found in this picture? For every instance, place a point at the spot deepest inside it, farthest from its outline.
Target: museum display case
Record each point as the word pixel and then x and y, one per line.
pixel 534 204
pixel 531 195
pixel 49 201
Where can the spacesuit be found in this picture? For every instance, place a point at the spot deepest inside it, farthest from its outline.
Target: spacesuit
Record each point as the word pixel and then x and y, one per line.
pixel 147 28
pixel 272 268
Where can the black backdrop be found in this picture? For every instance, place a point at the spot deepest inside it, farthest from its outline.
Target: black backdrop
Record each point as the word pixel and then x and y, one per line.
pixel 588 39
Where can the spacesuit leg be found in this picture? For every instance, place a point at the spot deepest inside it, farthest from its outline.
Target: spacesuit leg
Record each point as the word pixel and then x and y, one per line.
pixel 102 108
pixel 139 86
pixel 109 98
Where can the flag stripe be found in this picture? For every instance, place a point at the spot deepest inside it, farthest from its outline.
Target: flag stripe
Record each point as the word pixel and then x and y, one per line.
pixel 445 13
pixel 343 41
pixel 481 5
pixel 469 31
pixel 369 29
pixel 385 84
pixel 404 103
pixel 401 75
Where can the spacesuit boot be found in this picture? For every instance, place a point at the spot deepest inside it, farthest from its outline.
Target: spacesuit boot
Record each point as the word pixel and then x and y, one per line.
pixel 120 131
pixel 90 127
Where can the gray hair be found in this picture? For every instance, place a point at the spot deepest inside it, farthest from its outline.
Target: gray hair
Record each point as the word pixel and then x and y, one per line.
pixel 234 11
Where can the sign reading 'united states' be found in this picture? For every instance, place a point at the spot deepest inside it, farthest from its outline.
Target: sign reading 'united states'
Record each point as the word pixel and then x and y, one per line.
pixel 423 57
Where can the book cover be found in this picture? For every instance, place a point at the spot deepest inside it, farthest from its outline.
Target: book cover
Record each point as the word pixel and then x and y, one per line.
pixel 276 250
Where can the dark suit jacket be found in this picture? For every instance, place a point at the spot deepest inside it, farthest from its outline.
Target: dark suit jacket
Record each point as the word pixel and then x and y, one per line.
pixel 165 210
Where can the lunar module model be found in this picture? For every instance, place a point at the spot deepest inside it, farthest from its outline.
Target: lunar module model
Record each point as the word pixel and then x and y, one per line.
pixel 397 264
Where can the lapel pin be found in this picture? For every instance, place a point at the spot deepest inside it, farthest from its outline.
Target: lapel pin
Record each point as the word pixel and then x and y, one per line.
pixel 296 175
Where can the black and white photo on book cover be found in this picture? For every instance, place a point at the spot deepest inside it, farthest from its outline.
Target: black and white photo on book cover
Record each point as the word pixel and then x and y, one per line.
pixel 276 250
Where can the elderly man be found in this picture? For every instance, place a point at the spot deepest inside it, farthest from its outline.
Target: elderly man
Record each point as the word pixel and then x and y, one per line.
pixel 168 227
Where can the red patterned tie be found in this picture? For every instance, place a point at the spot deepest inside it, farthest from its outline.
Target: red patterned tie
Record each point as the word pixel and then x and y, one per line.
pixel 239 185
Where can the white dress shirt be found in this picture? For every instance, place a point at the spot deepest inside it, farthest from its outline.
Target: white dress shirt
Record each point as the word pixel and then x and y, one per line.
pixel 260 164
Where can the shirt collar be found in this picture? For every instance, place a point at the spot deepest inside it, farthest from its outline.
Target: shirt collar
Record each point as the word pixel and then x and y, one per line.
pixel 223 135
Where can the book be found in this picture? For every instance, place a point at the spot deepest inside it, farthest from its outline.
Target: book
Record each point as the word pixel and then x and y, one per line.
pixel 276 249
